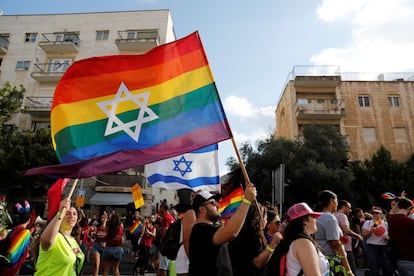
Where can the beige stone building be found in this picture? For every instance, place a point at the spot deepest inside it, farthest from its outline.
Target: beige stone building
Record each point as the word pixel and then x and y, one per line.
pixel 36 50
pixel 369 109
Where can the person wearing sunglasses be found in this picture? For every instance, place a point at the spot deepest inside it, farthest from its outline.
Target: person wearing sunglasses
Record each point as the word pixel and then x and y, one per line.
pixel 272 225
pixel 208 240
pixel 250 250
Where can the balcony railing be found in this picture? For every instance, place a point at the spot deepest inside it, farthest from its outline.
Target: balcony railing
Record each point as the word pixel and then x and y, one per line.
pixel 49 72
pixel 4 44
pixel 137 40
pixel 67 42
pixel 326 110
pixel 38 103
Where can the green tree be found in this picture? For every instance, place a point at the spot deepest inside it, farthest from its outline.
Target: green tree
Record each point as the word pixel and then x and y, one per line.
pixel 317 162
pixel 321 163
pixel 20 151
pixel 10 101
pixel 381 174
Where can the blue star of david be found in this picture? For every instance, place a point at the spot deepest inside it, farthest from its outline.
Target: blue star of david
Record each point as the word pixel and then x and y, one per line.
pixel 185 163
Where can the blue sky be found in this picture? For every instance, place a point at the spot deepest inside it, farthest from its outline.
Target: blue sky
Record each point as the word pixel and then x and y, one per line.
pixel 252 47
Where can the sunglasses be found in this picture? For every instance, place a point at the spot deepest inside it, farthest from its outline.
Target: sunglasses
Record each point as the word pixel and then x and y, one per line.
pixel 212 202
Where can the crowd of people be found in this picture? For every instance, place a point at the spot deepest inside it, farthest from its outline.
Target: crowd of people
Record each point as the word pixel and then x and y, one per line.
pixel 255 240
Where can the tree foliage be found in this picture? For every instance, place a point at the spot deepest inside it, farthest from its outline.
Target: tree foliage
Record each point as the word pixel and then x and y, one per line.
pixel 19 150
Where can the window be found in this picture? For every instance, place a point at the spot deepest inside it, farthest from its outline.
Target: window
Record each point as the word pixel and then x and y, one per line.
pixel 102 35
pixel 369 134
pixel 282 116
pixel 22 65
pixel 40 125
pixel 400 135
pixel 4 40
pixel 320 101
pixel 302 101
pixel 394 101
pixel 363 101
pixel 58 65
pixel 30 37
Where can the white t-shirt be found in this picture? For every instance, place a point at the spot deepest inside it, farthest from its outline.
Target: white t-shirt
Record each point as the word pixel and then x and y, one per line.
pixel 181 262
pixel 374 239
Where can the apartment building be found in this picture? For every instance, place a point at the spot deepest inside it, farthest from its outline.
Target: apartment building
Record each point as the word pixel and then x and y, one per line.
pixel 36 50
pixel 369 109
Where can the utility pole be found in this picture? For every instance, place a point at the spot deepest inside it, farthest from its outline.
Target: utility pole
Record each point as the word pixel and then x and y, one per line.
pixel 278 187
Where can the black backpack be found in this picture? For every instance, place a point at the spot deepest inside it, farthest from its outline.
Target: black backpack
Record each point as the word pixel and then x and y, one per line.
pixel 170 244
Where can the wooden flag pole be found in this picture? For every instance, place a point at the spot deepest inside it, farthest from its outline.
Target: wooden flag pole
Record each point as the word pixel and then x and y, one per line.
pixel 72 189
pixel 244 171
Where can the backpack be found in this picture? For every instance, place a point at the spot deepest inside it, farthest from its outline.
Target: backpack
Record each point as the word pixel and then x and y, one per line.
pixel 171 243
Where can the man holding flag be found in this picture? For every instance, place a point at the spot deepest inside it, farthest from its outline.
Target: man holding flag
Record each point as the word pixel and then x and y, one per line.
pixel 209 240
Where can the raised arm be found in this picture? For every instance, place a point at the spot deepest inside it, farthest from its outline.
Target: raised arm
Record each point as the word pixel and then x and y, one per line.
pixel 48 236
pixel 233 226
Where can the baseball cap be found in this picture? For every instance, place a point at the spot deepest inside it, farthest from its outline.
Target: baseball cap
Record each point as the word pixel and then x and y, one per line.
pixel 301 209
pixel 202 196
pixel 376 209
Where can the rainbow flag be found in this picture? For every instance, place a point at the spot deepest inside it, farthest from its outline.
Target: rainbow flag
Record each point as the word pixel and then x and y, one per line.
pixel 111 113
pixel 19 245
pixel 229 204
pixel 136 228
pixel 388 195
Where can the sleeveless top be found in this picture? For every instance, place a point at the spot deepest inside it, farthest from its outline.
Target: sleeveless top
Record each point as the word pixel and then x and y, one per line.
pixel 117 241
pixel 293 266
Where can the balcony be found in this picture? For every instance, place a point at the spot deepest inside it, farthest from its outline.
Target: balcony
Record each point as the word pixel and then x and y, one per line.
pixel 53 43
pixel 49 72
pixel 137 40
pixel 320 111
pixel 4 44
pixel 38 106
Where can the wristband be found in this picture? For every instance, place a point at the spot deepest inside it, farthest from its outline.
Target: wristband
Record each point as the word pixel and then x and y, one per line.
pixel 270 249
pixel 248 202
pixel 59 215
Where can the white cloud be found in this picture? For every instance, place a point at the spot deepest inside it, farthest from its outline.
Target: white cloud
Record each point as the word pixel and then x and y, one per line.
pixel 381 40
pixel 248 123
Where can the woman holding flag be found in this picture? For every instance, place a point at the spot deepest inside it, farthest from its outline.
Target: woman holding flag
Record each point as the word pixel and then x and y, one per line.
pixel 59 253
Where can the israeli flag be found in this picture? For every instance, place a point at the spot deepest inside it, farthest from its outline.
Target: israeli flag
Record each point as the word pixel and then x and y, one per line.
pixel 195 170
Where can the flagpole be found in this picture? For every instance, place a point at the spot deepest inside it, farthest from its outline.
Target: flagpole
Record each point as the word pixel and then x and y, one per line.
pixel 72 189
pixel 244 171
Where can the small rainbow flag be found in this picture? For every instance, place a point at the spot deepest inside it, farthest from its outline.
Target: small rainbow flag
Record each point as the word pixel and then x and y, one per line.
pixel 229 204
pixel 136 228
pixel 388 195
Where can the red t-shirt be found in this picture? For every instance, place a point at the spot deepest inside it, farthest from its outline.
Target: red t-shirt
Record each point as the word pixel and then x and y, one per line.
pixel 118 238
pixel 147 238
pixel 167 220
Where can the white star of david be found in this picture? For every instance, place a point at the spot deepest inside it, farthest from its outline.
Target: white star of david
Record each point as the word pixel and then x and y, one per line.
pixel 186 163
pixel 132 128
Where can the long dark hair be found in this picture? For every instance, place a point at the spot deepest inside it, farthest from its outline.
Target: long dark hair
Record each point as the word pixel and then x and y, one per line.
pixel 113 226
pixel 294 230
